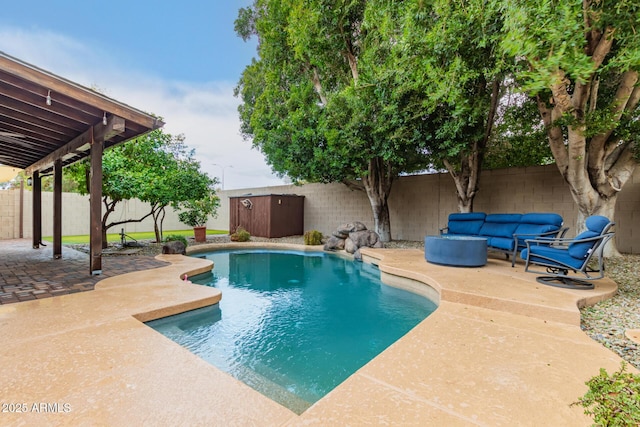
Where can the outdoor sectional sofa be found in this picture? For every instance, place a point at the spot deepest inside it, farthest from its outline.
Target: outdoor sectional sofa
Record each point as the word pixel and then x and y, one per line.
pixel 505 233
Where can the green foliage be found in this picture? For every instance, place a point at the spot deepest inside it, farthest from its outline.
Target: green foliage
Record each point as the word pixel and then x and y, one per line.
pixel 240 235
pixel 197 212
pixel 519 138
pixel 115 237
pixel 313 237
pixel 613 400
pixel 581 61
pixel 176 237
pixel 157 168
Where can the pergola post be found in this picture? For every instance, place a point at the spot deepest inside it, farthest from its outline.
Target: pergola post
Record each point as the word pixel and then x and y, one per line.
pixel 57 209
pixel 36 225
pixel 95 205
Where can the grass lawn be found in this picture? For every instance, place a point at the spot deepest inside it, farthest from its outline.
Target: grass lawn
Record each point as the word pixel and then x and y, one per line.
pixel 115 237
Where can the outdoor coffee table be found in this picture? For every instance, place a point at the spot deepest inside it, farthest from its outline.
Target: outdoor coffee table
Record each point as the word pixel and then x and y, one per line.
pixel 457 251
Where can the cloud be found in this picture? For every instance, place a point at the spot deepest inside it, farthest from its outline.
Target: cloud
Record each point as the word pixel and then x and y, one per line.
pixel 206 113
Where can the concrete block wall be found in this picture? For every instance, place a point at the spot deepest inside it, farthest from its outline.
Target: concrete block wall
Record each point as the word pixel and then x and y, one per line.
pixel 8 223
pixel 419 205
pixel 75 215
pixel 628 216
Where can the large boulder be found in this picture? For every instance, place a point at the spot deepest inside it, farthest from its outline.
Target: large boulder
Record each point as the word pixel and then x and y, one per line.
pixel 340 235
pixel 350 246
pixel 351 237
pixel 334 244
pixel 365 238
pixel 351 227
pixel 174 247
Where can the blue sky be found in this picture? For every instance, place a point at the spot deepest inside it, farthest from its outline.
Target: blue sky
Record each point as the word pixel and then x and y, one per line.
pixel 180 60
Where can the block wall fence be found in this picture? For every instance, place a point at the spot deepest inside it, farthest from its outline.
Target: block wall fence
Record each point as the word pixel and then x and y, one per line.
pixel 419 205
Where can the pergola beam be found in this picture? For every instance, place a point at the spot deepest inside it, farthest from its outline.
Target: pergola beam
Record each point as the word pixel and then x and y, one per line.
pixel 68 88
pixel 48 122
pixel 115 126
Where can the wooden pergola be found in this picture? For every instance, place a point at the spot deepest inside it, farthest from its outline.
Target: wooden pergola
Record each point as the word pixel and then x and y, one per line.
pixel 48 122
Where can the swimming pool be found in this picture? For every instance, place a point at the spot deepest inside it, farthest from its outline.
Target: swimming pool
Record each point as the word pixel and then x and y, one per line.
pixel 294 325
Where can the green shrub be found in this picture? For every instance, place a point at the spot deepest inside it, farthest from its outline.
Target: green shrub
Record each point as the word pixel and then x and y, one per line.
pixel 241 235
pixel 613 400
pixel 313 237
pixel 178 237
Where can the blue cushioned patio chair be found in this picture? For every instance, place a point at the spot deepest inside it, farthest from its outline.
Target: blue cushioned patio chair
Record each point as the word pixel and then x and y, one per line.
pixel 561 256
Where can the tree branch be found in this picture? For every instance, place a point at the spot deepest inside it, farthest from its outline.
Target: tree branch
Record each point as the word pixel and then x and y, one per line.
pixel 619 105
pixel 354 185
pixel 554 135
pixel 622 170
pixel 318 86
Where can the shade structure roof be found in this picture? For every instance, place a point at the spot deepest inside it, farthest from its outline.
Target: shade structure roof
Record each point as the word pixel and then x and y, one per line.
pixel 44 117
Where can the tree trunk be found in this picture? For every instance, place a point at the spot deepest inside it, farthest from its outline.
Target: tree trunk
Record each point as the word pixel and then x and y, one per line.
pixel 466 181
pixel 595 168
pixel 382 222
pixel 467 176
pixel 604 207
pixel 110 206
pixel 158 214
pixel 377 184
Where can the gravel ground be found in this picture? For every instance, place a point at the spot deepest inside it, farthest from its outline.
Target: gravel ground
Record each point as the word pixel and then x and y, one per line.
pixel 605 322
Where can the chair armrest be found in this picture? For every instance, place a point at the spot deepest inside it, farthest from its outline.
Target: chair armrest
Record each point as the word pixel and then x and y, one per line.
pixel 564 241
pixel 563 231
pixel 443 229
pixel 555 233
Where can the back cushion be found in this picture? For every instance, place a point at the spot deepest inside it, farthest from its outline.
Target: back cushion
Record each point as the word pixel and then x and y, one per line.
pixel 466 223
pixel 596 223
pixel 581 250
pixel 535 229
pixel 500 225
pixel 542 218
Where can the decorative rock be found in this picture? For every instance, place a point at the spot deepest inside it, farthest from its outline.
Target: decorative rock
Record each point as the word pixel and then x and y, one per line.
pixel 174 247
pixel 366 238
pixel 351 237
pixel 351 227
pixel 350 246
pixel 340 235
pixel 334 243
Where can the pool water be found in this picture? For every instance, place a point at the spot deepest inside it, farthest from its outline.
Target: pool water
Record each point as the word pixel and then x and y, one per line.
pixel 294 325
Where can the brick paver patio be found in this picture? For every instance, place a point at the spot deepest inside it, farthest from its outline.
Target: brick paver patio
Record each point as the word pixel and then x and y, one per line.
pixel 27 273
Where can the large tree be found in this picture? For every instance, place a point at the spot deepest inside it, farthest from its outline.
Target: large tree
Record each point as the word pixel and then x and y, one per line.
pixel 319 102
pixel 449 54
pixel 581 60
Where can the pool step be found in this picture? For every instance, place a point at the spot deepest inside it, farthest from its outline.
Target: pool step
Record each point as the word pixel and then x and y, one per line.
pixel 271 389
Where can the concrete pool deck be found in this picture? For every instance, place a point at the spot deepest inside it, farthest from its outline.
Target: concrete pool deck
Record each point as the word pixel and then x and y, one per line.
pixel 500 349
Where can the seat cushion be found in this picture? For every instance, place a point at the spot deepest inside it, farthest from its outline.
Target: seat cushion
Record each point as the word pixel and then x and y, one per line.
pixel 562 256
pixel 504 243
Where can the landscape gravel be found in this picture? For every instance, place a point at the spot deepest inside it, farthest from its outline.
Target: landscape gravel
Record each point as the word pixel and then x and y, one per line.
pixel 605 322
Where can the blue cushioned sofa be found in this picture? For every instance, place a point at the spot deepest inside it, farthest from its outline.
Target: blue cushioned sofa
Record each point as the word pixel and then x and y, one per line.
pixel 505 232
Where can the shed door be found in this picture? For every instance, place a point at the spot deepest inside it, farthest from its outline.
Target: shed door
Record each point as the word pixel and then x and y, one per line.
pixel 244 218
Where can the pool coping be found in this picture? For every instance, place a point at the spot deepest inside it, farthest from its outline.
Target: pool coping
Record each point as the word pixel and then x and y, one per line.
pixel 90 352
